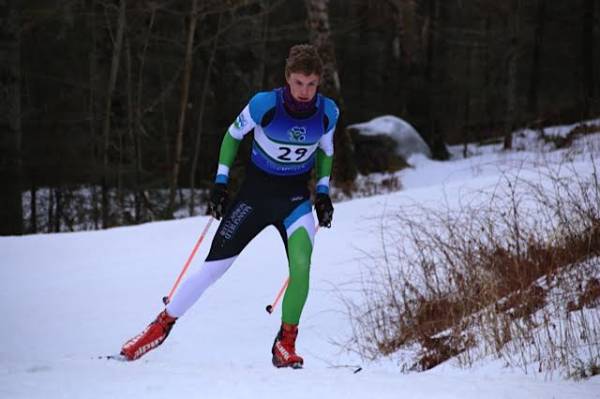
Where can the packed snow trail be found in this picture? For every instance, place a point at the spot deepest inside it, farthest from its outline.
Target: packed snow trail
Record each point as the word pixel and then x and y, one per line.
pixel 67 299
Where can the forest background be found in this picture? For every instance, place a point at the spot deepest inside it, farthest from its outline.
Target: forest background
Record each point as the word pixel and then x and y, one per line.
pixel 112 111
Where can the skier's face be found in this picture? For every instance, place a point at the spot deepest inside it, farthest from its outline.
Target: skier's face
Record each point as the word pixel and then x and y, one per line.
pixel 303 87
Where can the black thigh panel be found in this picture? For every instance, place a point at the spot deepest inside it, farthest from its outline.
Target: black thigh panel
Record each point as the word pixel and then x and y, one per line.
pixel 263 200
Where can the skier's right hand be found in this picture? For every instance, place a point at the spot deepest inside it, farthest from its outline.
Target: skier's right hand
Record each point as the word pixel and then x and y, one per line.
pixel 219 198
pixel 324 209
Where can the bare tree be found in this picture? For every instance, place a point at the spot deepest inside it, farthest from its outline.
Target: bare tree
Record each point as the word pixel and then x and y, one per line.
pixel 33 210
pixel 320 36
pixel 538 36
pixel 262 48
pixel 112 81
pixel 11 212
pixel 512 110
pixel 433 76
pixel 467 100
pixel 199 127
pixel 587 79
pixel 92 101
pixel 139 128
pixel 405 45
pixel 185 87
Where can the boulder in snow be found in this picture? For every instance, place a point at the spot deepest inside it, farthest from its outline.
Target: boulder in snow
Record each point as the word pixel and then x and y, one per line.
pixel 385 143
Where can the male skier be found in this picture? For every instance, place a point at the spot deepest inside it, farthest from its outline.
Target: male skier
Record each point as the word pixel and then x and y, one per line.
pixel 293 132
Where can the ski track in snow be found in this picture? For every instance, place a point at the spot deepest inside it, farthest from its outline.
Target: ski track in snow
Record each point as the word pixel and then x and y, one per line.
pixel 69 298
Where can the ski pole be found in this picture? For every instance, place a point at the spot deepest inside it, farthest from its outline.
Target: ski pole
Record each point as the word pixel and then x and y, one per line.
pixel 271 307
pixel 167 299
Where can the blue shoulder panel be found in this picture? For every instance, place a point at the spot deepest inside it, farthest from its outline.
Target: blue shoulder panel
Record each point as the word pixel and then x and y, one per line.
pixel 332 112
pixel 260 104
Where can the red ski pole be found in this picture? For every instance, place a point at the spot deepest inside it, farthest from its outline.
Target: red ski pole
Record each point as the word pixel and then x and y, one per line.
pixel 167 299
pixel 271 307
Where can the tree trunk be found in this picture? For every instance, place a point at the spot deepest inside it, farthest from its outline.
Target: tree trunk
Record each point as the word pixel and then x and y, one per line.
pixel 95 210
pixel 112 81
pixel 487 74
pixel 320 36
pixel 93 68
pixel 58 214
pixel 185 87
pixel 263 25
pixel 11 211
pixel 433 78
pixel 130 118
pixel 404 47
pixel 205 89
pixel 467 101
pixel 139 194
pixel 538 38
pixel 588 49
pixel 165 126
pixel 511 117
pixel 432 42
pixel 50 210
pixel 33 210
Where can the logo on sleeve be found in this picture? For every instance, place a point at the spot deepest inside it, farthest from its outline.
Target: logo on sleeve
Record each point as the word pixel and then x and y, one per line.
pixel 240 122
pixel 297 133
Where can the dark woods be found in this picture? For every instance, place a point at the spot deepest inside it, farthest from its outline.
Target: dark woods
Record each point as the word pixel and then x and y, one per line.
pixel 113 110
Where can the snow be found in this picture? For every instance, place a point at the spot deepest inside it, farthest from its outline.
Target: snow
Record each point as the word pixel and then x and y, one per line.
pixel 69 298
pixel 564 130
pixel 403 133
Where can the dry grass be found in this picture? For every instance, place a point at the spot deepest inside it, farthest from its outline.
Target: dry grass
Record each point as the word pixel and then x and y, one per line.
pixel 506 276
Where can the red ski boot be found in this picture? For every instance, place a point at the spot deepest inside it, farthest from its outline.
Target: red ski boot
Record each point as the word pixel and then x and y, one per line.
pixel 284 347
pixel 150 338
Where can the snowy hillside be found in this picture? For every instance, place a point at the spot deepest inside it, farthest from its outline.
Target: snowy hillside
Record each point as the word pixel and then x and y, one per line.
pixel 68 299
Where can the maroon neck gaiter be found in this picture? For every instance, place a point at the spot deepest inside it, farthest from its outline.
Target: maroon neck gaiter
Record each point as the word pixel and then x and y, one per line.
pixel 295 106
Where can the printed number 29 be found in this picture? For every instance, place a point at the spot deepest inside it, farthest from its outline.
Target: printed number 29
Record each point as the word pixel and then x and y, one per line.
pixel 285 156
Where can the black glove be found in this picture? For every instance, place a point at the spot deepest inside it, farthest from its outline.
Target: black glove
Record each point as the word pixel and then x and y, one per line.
pixel 324 209
pixel 219 198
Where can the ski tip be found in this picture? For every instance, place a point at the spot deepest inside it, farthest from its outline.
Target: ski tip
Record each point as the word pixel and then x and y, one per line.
pixel 117 357
pixel 296 365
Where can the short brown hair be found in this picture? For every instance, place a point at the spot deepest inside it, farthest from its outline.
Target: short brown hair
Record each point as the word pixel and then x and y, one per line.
pixel 303 58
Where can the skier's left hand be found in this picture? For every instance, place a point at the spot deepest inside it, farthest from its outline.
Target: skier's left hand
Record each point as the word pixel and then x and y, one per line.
pixel 324 209
pixel 219 198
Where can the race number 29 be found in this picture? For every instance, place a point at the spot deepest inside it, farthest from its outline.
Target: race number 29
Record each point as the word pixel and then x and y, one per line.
pixel 287 154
